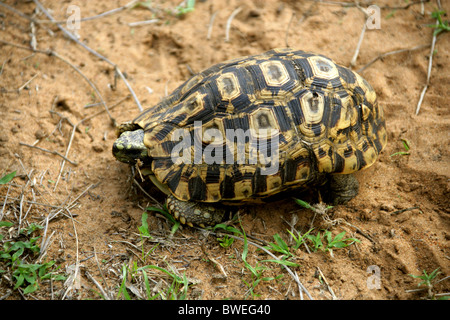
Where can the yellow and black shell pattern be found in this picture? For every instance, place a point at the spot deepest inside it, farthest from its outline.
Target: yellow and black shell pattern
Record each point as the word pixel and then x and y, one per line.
pixel 324 117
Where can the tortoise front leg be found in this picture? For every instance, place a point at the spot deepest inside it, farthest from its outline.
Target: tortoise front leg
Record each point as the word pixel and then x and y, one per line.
pixel 195 213
pixel 342 188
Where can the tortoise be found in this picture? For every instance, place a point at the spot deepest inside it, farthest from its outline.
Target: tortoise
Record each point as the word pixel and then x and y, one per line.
pixel 297 120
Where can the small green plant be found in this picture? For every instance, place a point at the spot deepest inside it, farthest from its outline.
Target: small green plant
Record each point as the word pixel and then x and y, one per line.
pixel 256 278
pixel 226 241
pixel 429 281
pixel 13 250
pixel 319 208
pixel 256 271
pixel 179 287
pixel 145 4
pixel 338 242
pixel 406 146
pixel 282 247
pixel 427 278
pixel 13 254
pixel 164 212
pixel 299 239
pixel 316 241
pixel 28 275
pixel 123 286
pixel 176 291
pixel 304 204
pixel 390 14
pixel 185 7
pixel 143 229
pixel 7 178
pixel 326 242
pixel 279 246
pixel 440 26
pixel 144 232
pixel 5 224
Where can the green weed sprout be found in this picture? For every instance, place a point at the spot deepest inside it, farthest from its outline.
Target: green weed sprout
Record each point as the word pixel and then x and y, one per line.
pixel 13 254
pixel 430 280
pixel 440 26
pixel 164 212
pixel 329 242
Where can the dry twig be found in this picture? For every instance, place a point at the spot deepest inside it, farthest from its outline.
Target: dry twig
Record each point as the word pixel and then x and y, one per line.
pixel 39 21
pixel 383 55
pixel 77 260
pixel 210 25
pixel 294 276
pixel 74 38
pixel 430 63
pixel 355 4
pixel 49 151
pixel 55 54
pixel 75 127
pixel 230 19
pixel 326 283
pixel 361 37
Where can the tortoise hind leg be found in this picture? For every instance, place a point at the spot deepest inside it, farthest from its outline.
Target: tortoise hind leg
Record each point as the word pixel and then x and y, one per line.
pixel 342 188
pixel 195 213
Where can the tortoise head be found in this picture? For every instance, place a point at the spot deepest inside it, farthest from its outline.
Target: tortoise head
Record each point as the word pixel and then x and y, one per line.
pixel 129 147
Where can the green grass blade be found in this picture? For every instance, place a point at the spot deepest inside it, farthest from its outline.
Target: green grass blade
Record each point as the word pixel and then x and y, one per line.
pixel 7 178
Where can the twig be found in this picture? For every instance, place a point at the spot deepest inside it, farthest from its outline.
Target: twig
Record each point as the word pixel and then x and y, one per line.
pixel 49 151
pixel 26 83
pixel 77 262
pixel 72 135
pixel 67 152
pixel 210 25
pixel 326 282
pixel 55 54
pixel 45 243
pixel 142 23
pixel 230 19
pixel 98 266
pixel 430 63
pixel 214 261
pixel 113 121
pixel 287 30
pixel 149 196
pixel 103 292
pixel 403 210
pixel 383 55
pixel 33 42
pixel 33 202
pixel 62 207
pixel 4 203
pixel 101 15
pixel 4 64
pixel 361 37
pixel 74 38
pixel 8 7
pixel 301 287
pixel 355 4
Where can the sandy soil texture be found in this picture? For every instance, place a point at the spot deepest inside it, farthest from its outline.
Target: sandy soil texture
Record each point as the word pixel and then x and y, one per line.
pixel 91 209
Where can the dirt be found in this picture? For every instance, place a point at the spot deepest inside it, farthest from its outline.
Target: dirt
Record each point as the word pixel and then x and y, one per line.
pixel 401 211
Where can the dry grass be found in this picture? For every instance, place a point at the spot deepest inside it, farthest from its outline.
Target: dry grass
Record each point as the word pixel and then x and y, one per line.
pixel 137 266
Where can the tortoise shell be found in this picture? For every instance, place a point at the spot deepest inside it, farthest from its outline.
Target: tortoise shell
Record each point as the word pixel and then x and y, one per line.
pixel 324 118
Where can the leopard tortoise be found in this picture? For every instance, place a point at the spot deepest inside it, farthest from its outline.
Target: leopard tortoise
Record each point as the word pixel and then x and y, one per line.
pixel 319 122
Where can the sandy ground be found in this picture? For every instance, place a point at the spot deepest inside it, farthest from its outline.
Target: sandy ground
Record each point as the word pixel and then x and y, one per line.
pixel 402 209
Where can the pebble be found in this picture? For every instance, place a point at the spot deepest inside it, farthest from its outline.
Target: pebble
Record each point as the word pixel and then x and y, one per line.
pixel 97 147
pixel 387 207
